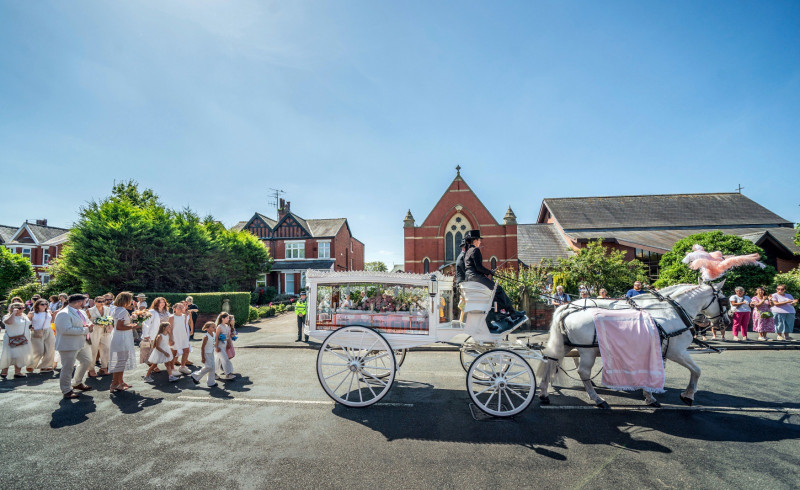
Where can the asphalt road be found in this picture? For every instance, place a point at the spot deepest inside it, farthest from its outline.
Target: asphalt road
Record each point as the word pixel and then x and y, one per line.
pixel 274 427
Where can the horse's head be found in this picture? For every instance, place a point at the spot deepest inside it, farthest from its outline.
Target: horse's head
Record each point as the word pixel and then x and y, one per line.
pixel 716 309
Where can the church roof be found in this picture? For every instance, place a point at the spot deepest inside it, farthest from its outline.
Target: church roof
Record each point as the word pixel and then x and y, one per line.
pixel 540 241
pixel 727 209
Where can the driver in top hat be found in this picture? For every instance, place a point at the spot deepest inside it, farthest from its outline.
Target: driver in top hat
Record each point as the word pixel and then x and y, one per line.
pixel 473 260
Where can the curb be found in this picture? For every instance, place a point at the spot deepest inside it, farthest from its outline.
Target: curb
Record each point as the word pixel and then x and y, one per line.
pixel 450 348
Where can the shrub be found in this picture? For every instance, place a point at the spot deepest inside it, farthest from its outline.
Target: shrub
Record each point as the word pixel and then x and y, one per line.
pixel 283 298
pixel 211 303
pixel 15 270
pixel 266 311
pixel 253 316
pixel 280 308
pixel 792 281
pixel 290 308
pixel 263 295
pixel 25 291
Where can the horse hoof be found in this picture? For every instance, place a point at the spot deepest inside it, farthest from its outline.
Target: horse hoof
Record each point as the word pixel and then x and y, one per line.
pixel 604 406
pixel 544 400
pixel 655 404
pixel 686 400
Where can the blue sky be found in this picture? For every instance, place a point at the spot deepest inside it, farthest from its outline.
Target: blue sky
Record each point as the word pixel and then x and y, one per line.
pixel 363 109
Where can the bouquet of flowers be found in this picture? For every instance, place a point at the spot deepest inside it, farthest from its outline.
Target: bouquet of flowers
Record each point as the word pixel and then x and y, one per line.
pixel 766 314
pixel 221 338
pixel 105 321
pixel 141 316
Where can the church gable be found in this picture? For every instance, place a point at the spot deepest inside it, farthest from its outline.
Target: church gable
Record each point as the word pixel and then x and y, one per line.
pixel 459 198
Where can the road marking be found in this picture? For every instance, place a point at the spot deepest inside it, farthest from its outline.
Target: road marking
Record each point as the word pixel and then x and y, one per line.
pixel 634 408
pixel 284 401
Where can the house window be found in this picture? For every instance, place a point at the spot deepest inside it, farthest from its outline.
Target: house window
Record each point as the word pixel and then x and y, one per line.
pixel 261 282
pixel 649 259
pixel 290 283
pixel 493 263
pixel 26 252
pixel 457 227
pixel 324 250
pixel 45 278
pixel 426 266
pixel 46 257
pixel 302 281
pixel 295 250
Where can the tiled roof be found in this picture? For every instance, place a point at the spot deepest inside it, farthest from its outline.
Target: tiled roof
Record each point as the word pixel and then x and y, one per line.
pixel 45 233
pixel 269 221
pixel 57 239
pixel 6 232
pixel 664 239
pixel 325 227
pixel 540 241
pixel 654 211
pixel 315 264
pixel 239 226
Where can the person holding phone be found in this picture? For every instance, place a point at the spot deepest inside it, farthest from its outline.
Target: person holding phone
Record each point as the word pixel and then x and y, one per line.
pixel 16 341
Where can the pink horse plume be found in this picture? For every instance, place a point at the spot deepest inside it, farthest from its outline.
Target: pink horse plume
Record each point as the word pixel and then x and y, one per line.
pixel 713 265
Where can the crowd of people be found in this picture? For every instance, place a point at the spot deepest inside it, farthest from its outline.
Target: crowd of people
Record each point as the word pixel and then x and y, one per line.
pixel 74 334
pixel 766 313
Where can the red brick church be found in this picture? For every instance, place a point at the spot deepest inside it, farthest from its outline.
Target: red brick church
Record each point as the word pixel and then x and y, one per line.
pixel 435 243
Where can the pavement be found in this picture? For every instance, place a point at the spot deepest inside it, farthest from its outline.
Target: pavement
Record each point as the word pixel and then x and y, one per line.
pixel 281 333
pixel 273 426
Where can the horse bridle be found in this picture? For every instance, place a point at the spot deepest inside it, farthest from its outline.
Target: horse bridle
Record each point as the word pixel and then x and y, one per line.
pixel 723 310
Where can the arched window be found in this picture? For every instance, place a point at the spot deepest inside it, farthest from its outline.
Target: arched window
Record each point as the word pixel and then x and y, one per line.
pixel 426 265
pixel 493 263
pixel 456 228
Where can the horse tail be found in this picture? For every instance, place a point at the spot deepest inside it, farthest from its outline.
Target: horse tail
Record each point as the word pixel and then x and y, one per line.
pixel 555 349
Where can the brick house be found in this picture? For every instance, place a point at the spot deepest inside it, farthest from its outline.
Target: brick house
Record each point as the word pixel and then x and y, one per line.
pixel 299 244
pixel 36 241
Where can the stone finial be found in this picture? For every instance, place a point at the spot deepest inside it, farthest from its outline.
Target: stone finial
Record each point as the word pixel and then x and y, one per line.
pixel 458 170
pixel 408 221
pixel 510 218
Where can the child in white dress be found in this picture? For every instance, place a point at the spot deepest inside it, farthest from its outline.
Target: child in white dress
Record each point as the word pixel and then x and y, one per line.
pixel 222 342
pixel 207 353
pixel 161 353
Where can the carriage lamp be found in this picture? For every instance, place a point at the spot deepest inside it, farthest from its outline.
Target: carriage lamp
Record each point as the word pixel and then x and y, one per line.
pixel 434 286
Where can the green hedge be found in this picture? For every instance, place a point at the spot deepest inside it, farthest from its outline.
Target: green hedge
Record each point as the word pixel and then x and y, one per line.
pixel 211 303
pixel 25 292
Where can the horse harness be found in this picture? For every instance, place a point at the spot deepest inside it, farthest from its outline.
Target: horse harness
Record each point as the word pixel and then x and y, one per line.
pixel 663 334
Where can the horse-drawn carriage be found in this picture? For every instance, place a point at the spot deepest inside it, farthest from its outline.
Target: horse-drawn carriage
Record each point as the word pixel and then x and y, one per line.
pixel 366 321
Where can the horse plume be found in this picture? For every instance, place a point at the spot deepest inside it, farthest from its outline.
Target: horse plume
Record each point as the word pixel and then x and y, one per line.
pixel 713 265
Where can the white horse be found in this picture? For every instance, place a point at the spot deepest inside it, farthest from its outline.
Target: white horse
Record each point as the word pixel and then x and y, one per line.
pixel 574 324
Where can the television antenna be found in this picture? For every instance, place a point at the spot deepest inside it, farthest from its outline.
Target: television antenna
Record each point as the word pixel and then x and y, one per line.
pixel 739 188
pixel 275 196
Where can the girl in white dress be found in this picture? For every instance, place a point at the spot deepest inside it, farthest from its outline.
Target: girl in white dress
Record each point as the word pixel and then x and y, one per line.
pixel 43 340
pixel 223 339
pixel 161 353
pixel 122 352
pixel 159 313
pixel 207 350
pixel 17 333
pixel 180 335
pixel 101 336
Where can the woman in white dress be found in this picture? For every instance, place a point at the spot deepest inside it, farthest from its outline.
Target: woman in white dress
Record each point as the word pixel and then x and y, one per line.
pixel 220 355
pixel 101 336
pixel 159 313
pixel 43 340
pixel 16 341
pixel 179 322
pixel 122 352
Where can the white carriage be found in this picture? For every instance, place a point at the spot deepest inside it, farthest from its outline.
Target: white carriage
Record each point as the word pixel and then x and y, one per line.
pixel 366 321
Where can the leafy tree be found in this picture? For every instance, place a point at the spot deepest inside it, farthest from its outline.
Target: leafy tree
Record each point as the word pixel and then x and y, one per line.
pixel 596 267
pixel 527 280
pixel 376 266
pixel 797 234
pixel 61 279
pixel 792 281
pixel 15 270
pixel 132 241
pixel 673 271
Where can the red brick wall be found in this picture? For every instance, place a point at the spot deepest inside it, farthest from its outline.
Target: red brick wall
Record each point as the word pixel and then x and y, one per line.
pixel 785 265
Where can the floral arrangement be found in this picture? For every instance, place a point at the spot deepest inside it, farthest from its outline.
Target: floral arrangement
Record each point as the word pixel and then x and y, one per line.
pixel 766 314
pixel 104 321
pixel 141 316
pixel 221 337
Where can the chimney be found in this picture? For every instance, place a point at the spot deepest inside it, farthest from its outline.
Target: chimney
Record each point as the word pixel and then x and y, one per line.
pixel 41 222
pixel 283 208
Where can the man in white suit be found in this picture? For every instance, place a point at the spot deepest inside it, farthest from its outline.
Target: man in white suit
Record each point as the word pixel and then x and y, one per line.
pixel 72 327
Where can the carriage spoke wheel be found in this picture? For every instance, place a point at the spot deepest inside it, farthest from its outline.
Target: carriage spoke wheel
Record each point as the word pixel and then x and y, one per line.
pixel 501 383
pixel 399 357
pixel 356 366
pixel 470 350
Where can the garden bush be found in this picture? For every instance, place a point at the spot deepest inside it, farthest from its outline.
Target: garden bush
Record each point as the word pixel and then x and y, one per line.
pixel 262 296
pixel 792 281
pixel 15 270
pixel 26 291
pixel 211 303
pixel 253 316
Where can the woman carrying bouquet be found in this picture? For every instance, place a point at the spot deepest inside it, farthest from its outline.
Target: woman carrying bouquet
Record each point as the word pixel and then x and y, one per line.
pixel 122 353
pixel 101 334
pixel 763 323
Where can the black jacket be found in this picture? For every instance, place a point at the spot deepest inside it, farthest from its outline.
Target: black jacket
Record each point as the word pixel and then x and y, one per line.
pixel 474 263
pixel 461 268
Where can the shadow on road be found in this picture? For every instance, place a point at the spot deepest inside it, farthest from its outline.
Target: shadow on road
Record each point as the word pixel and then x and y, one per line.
pixel 72 412
pixel 131 402
pixel 548 431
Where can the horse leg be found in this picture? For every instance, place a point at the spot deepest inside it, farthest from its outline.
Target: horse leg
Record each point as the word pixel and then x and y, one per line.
pixel 585 365
pixel 650 400
pixel 544 397
pixel 685 359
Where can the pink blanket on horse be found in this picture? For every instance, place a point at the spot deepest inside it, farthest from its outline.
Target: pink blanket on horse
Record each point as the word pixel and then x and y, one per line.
pixel 631 350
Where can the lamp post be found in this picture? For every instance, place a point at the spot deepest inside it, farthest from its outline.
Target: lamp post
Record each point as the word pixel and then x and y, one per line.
pixel 434 290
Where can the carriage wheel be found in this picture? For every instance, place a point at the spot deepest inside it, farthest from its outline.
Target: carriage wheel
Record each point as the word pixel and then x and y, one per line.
pixel 501 383
pixel 469 352
pixel 356 366
pixel 399 356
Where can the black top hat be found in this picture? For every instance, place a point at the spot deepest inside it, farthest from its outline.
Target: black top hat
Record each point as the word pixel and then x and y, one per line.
pixel 473 235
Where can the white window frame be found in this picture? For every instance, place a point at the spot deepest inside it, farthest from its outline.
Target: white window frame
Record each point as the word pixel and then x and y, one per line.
pixel 261 282
pixel 302 281
pixel 45 278
pixel 327 244
pixel 28 256
pixel 295 250
pixel 287 275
